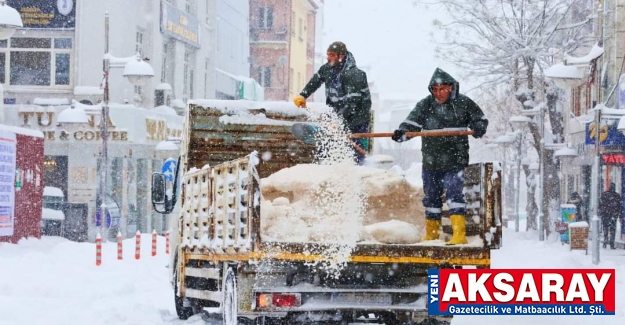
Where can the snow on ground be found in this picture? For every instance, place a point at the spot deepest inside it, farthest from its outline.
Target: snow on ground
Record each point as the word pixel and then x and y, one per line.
pixel 54 281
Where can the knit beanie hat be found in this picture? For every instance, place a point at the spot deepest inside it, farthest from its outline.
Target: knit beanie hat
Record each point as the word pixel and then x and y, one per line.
pixel 338 48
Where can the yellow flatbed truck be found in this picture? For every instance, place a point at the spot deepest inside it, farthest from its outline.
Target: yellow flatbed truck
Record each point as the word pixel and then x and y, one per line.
pixel 222 267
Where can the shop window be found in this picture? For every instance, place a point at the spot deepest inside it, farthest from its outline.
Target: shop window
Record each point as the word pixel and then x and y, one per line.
pixel 31 61
pixel 61 72
pixel 30 68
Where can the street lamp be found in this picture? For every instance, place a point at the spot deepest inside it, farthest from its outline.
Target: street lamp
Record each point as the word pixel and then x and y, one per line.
pixel 504 141
pixel 137 72
pixel 73 118
pixel 10 20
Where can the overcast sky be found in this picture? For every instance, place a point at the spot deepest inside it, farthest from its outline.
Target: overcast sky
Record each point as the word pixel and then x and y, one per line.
pixel 393 37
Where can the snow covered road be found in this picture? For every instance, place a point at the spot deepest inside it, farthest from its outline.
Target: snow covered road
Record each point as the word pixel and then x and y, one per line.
pixel 53 281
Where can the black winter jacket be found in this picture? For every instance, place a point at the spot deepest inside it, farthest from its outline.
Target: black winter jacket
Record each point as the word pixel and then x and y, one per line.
pixel 459 112
pixel 348 95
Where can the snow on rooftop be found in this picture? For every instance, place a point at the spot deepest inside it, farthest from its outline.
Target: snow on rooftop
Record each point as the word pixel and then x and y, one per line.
pixel 22 131
pixel 178 103
pixel 87 108
pixel 565 152
pixel 251 119
pixel 594 53
pixel 165 110
pixel 51 214
pixel 564 71
pixel 88 90
pixel 579 224
pixel 53 191
pixel 243 106
pixel 51 101
pixel 35 108
pixel 163 86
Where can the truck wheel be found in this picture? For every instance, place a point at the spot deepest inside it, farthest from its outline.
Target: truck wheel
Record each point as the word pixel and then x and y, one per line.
pixel 182 311
pixel 230 298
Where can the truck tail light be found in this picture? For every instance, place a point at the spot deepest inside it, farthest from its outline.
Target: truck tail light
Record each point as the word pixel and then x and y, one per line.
pixel 278 300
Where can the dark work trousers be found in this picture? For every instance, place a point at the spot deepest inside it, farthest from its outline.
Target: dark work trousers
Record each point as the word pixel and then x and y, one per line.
pixel 361 142
pixel 434 183
pixel 609 231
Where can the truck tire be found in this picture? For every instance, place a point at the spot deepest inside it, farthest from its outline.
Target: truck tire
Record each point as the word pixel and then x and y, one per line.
pixel 229 304
pixel 183 312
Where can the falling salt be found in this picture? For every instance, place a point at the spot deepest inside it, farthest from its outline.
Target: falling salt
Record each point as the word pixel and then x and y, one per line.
pixel 341 201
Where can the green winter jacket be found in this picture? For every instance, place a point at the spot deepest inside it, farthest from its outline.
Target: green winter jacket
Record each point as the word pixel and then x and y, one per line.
pixel 348 93
pixel 459 112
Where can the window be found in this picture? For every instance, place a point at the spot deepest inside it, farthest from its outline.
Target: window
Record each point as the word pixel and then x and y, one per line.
pixel 189 6
pixel 139 43
pixel 207 13
pixel 576 101
pixel 300 29
pixel 264 76
pixel 293 79
pixel 33 61
pixel 266 18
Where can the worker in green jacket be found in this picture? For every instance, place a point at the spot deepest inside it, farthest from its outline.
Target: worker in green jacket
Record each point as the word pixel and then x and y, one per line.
pixel 445 157
pixel 347 92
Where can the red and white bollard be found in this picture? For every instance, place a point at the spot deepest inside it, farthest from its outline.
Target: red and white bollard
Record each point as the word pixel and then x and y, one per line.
pixel 119 246
pixel 138 245
pixel 167 242
pixel 153 242
pixel 98 250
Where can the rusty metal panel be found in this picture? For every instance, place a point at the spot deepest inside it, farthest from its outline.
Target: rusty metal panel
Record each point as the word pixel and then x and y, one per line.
pixel 211 141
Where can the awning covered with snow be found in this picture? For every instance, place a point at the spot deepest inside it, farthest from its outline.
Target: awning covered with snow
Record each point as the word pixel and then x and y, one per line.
pixel 238 87
pixel 595 52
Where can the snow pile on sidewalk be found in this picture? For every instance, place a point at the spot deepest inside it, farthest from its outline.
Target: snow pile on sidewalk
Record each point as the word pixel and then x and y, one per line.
pixel 294 211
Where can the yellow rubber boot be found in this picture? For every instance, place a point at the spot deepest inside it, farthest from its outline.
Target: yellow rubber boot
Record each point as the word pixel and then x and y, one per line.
pixel 458 226
pixel 431 229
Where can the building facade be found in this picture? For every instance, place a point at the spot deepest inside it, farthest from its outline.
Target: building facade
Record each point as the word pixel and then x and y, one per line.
pixel 599 86
pixel 282 55
pixel 56 61
pixel 61 56
pixel 232 53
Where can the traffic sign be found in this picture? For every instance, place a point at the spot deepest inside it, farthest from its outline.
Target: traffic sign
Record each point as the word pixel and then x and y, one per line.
pixel 169 169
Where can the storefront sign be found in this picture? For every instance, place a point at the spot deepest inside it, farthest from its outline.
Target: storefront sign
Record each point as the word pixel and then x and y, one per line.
pixel 615 158
pixel 608 134
pixel 158 130
pixel 179 25
pixel 8 144
pixel 46 14
pixel 45 119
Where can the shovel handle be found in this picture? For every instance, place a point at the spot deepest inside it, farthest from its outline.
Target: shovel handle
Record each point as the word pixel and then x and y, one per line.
pixel 411 134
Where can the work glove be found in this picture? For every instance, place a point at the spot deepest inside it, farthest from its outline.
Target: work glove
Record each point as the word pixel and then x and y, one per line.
pixel 299 101
pixel 399 136
pixel 479 132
